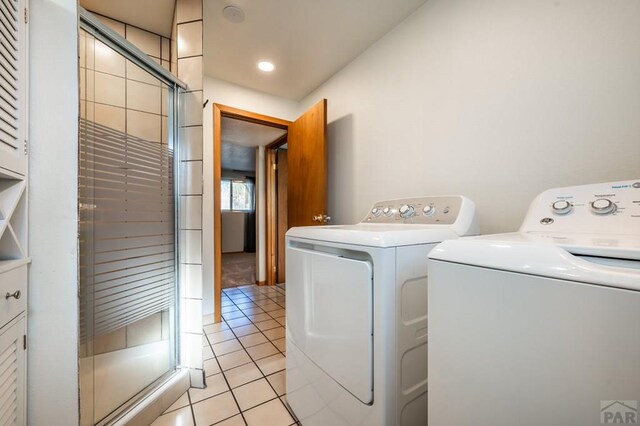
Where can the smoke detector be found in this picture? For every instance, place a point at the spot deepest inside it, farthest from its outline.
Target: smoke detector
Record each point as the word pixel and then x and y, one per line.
pixel 233 14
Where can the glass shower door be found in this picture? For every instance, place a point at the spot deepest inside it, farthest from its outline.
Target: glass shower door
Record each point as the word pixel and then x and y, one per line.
pixel 126 230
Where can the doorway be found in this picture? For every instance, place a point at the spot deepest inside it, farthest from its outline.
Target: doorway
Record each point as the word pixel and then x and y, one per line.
pixel 305 147
pixel 241 192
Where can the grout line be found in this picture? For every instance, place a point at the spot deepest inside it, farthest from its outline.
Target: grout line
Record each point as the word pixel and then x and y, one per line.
pixel 264 376
pixel 237 338
pixel 193 414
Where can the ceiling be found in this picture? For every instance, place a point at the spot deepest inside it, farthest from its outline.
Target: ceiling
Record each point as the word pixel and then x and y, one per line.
pixel 237 157
pixel 239 142
pixel 307 40
pixel 151 15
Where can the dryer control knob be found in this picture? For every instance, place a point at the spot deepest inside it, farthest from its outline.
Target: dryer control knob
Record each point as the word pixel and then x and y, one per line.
pixel 603 206
pixel 428 210
pixel 375 212
pixel 562 207
pixel 388 211
pixel 406 211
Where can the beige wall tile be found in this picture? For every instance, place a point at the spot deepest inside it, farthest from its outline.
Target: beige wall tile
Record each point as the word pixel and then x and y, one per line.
pixel 191 250
pixel 191 208
pixel 190 39
pixel 148 42
pixel 114 25
pixel 191 278
pixel 165 100
pixel 166 49
pixel 108 61
pixel 109 89
pixel 107 115
pixel 90 85
pixel 83 83
pixel 82 43
pixel 165 130
pixel 192 108
pixel 191 315
pixel 89 52
pixel 134 72
pixel 144 97
pixel 90 111
pixel 146 330
pixel 110 342
pixel 191 143
pixel 190 72
pixel 191 181
pixel 143 125
pixel 188 10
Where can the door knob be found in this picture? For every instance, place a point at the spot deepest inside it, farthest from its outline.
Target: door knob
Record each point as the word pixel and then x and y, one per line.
pixel 322 218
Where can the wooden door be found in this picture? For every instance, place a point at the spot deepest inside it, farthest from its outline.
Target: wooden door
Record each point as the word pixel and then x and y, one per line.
pixel 307 168
pixel 281 177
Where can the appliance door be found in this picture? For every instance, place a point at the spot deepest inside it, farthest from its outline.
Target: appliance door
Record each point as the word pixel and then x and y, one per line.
pixel 509 348
pixel 330 316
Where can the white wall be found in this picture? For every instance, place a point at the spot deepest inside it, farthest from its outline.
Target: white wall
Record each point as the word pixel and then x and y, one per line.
pixel 220 92
pixel 53 223
pixel 495 99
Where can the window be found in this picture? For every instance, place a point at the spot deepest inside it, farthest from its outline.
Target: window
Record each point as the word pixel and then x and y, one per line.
pixel 236 195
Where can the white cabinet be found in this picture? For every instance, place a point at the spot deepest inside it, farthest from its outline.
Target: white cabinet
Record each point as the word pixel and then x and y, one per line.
pixel 13 210
pixel 13 86
pixel 13 360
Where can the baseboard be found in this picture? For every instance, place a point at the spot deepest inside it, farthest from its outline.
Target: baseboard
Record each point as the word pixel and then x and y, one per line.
pixel 261 282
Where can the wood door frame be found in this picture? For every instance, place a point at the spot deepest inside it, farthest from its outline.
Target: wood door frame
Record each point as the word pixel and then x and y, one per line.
pixel 270 152
pixel 220 111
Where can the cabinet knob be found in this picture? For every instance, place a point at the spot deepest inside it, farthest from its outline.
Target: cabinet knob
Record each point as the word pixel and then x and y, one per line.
pixel 16 295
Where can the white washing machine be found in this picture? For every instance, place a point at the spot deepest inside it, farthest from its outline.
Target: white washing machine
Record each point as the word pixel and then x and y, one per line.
pixel 542 326
pixel 357 312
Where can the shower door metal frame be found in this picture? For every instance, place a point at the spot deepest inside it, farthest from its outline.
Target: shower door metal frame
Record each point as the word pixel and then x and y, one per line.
pixel 115 41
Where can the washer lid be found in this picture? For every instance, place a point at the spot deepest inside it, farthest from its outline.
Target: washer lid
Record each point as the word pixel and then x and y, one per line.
pixel 562 256
pixel 376 234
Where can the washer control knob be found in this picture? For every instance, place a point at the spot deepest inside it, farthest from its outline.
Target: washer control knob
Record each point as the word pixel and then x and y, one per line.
pixel 561 207
pixel 375 212
pixel 388 211
pixel 406 211
pixel 603 206
pixel 428 210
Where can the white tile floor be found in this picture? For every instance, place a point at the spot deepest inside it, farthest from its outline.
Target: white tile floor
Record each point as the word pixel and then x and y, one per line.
pixel 244 364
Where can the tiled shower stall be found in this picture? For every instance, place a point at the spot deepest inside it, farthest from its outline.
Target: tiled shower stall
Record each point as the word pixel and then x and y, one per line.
pixel 125 112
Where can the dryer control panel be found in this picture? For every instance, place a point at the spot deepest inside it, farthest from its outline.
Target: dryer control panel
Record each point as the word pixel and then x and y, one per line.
pixel 443 210
pixel 605 208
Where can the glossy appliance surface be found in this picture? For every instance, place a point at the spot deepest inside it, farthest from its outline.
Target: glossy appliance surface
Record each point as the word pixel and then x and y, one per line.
pixel 542 322
pixel 357 312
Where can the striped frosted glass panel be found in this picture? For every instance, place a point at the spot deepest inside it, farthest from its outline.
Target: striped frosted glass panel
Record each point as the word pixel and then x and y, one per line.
pixel 127 233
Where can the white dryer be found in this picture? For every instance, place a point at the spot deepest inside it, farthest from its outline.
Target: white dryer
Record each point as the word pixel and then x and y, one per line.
pixel 542 326
pixel 357 312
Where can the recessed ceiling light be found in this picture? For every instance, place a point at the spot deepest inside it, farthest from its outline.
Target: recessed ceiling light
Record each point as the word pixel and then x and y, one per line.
pixel 233 14
pixel 266 66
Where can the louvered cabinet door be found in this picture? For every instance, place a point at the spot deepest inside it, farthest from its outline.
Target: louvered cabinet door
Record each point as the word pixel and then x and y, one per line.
pixel 13 86
pixel 12 373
